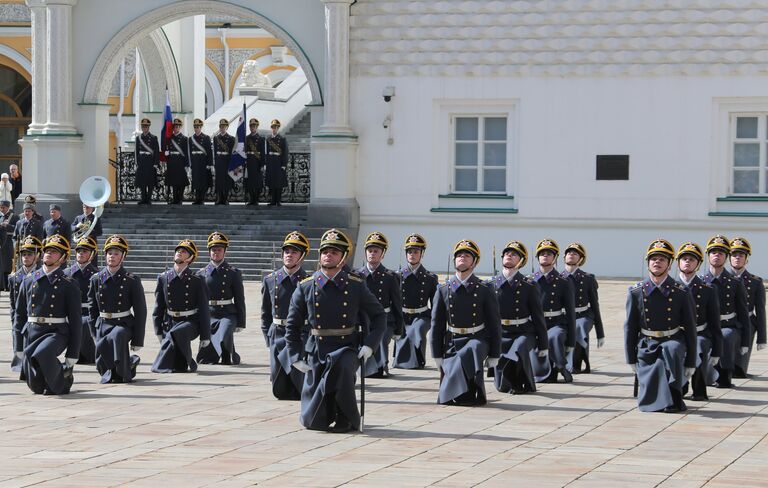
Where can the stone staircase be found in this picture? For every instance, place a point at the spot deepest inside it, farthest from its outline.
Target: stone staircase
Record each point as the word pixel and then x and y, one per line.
pixel 299 135
pixel 255 233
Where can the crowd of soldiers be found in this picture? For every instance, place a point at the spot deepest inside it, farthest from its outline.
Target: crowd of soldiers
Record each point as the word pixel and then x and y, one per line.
pixel 324 328
pixel 204 162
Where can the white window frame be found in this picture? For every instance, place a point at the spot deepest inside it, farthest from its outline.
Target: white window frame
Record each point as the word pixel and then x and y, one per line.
pixel 481 167
pixel 761 140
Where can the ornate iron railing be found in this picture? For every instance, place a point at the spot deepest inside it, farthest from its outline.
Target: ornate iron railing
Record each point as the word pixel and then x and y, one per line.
pixel 297 190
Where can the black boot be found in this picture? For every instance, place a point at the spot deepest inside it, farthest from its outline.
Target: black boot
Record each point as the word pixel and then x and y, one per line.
pixel 577 358
pixel 724 381
pixel 678 405
pixel 699 387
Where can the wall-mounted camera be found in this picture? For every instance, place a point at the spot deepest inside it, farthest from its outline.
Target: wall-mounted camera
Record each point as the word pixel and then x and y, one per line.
pixel 388 93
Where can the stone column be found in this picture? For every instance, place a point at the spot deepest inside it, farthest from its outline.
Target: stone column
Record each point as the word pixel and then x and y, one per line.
pixel 59 67
pixel 39 61
pixel 336 96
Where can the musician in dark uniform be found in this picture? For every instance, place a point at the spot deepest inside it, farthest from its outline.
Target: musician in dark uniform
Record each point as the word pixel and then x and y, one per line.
pixel 8 221
pixel 223 145
pixel 118 310
pixel 83 222
pixel 741 250
pixel 48 322
pixel 276 292
pixel 331 301
pixel 709 336
pixel 660 334
pixel 30 224
pixel 587 307
pixel 57 225
pixel 254 150
pixel 81 272
pixel 177 162
pixel 181 313
pixel 417 287
pixel 558 303
pixel 29 257
pixel 201 161
pixel 147 153
pixel 276 162
pixel 734 314
pixel 226 303
pixel 523 329
pixel 385 285
pixel 466 330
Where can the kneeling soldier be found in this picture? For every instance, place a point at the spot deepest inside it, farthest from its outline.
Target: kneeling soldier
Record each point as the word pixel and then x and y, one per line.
pixel 660 334
pixel 331 301
pixel 181 313
pixel 227 303
pixel 276 292
pixel 466 330
pixel 29 250
pixel 523 329
pixel 81 272
pixel 418 287
pixel 48 322
pixel 113 293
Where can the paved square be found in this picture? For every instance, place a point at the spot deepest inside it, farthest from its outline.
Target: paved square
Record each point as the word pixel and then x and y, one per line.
pixel 222 427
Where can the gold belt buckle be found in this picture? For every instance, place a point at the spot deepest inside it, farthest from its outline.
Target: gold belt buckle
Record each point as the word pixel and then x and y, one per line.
pixel 175 314
pixel 41 320
pixel 463 330
pixel 107 315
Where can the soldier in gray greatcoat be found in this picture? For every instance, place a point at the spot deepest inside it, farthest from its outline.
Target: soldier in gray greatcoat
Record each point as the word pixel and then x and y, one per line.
pixel 660 334
pixel 741 250
pixel 331 302
pixel 276 293
pixel 466 330
pixel 81 272
pixel 29 257
pixel 226 301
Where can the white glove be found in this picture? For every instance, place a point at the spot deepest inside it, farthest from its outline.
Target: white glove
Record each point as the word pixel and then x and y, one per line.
pixel 439 363
pixel 20 355
pixel 365 353
pixel 600 342
pixel 301 366
pixel 70 362
pixel 760 347
pixel 689 373
pixel 633 366
pixel 542 353
pixel 744 350
pixel 568 350
pixel 205 343
pixel 239 329
pixel 492 362
pixel 713 360
pixel 135 348
pixel 159 337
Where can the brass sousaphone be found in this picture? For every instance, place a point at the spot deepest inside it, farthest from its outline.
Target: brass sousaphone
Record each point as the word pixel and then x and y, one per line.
pixel 94 192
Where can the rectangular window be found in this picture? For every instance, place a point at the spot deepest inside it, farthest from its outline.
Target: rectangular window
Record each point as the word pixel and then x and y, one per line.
pixel 749 143
pixel 480 154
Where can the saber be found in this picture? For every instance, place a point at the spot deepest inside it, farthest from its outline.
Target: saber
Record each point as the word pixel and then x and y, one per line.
pixel 362 393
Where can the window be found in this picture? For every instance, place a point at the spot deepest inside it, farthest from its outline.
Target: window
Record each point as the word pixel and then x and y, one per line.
pixel 749 154
pixel 480 154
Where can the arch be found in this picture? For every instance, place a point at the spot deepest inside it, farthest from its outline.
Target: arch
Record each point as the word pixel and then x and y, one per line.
pixel 16 61
pixel 99 79
pixel 15 106
pixel 213 87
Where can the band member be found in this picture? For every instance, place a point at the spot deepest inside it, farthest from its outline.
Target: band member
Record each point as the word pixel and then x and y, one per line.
pixel 276 292
pixel 177 162
pixel 709 338
pixel 587 307
pixel 558 304
pixel 201 160
pixel 254 150
pixel 660 334
pixel 223 145
pixel 29 253
pixel 741 250
pixel 523 329
pixel 118 310
pixel 81 273
pixel 48 323
pixel 30 223
pixel 418 286
pixel 276 162
pixel 147 161
pixel 83 222
pixel 330 301
pixel 8 221
pixel 226 303
pixel 181 313
pixel 57 225
pixel 385 285
pixel 734 314
pixel 466 330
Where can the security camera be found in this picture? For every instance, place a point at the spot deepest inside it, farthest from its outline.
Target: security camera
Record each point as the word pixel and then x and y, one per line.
pixel 388 93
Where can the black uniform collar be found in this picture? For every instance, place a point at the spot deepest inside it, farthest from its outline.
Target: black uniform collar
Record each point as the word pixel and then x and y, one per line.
pixel 53 277
pixel 172 275
pixel 104 274
pixel 665 288
pixel 406 272
pixel 708 277
pixel 75 268
pixel 210 268
pixel 281 275
pixel 471 283
pixel 380 269
pixel 538 275
pixel 340 280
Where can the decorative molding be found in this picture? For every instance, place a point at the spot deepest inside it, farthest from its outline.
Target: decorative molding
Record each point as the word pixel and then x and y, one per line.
pixel 14 13
pixel 565 38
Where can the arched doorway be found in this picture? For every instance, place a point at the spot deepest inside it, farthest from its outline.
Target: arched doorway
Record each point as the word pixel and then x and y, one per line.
pixel 15 115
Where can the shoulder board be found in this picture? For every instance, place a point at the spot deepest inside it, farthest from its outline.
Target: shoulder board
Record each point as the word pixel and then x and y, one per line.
pixel 680 286
pixel 354 273
pixel 755 278
pixel 529 280
pixel 305 280
pixel 355 277
pixel 637 285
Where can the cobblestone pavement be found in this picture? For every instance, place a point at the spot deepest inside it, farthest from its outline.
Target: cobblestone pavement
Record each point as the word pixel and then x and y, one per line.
pixel 221 427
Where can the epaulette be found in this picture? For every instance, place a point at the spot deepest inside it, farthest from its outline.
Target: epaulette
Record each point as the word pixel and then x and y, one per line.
pixel 637 285
pixel 680 287
pixel 529 279
pixel 355 277
pixel 128 275
pixel 354 273
pixel 308 278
